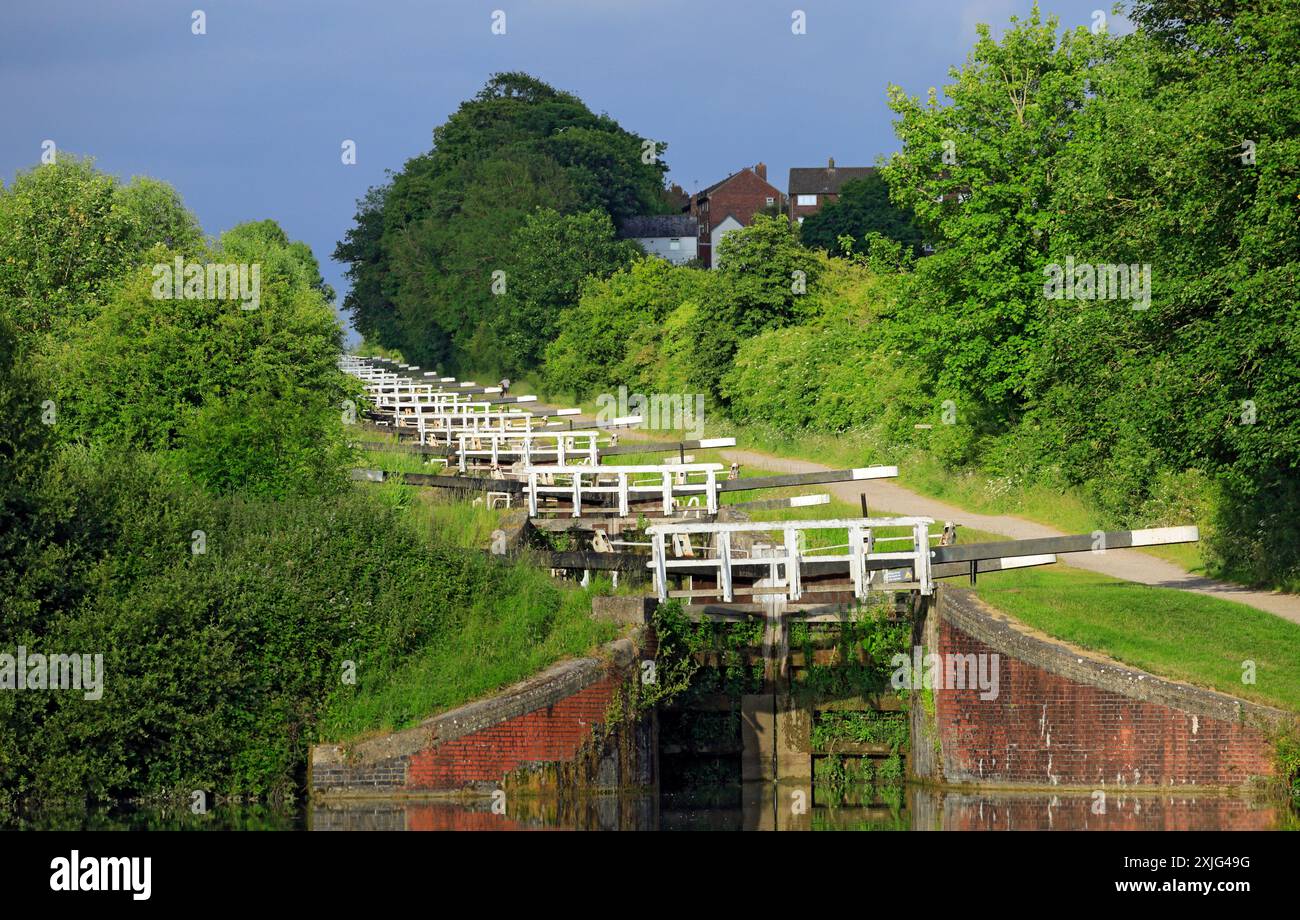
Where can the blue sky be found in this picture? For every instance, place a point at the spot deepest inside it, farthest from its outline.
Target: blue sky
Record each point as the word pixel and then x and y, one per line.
pixel 247 120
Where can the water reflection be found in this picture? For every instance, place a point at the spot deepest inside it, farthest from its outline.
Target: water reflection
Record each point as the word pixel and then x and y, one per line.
pixel 766 807
pixel 130 818
pixel 758 807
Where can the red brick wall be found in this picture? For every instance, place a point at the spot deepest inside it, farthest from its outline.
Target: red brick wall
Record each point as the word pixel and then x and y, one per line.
pixel 741 197
pixel 553 734
pixel 807 210
pixel 1045 729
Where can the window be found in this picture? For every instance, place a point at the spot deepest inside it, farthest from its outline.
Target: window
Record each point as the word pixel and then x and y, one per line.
pixel 675 244
pixel 807 199
pixel 770 201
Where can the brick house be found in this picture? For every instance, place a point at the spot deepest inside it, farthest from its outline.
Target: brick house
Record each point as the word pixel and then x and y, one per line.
pixel 730 204
pixel 813 188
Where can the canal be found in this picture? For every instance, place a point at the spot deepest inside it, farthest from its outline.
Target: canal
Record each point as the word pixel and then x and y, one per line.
pixel 756 807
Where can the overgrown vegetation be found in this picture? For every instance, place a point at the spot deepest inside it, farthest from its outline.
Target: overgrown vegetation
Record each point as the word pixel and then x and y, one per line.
pixel 219 664
pixel 174 498
pixel 862 727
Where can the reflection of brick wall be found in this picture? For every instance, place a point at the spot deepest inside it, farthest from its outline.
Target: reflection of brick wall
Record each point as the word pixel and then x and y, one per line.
pixel 1174 811
pixel 1063 719
pixel 436 817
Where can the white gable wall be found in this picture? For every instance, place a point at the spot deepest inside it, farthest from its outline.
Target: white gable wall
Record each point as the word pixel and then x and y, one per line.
pixel 728 224
pixel 662 246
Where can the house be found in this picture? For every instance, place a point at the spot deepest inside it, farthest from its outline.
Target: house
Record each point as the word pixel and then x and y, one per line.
pixel 731 204
pixel 669 236
pixel 813 188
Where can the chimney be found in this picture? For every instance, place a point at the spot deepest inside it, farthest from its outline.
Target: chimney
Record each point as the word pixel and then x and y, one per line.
pixel 830 164
pixel 761 171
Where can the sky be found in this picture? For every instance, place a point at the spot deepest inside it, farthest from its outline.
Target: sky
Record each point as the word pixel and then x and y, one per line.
pixel 248 120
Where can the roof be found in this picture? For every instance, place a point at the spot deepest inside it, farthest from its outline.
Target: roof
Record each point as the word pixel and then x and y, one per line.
pixel 708 190
pixel 657 225
pixel 824 180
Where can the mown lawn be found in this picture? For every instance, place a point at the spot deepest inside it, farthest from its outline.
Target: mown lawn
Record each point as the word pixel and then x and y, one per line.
pixel 1175 634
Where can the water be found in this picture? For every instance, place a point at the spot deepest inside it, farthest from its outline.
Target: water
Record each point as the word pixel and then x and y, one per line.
pixel 752 807
pixel 766 807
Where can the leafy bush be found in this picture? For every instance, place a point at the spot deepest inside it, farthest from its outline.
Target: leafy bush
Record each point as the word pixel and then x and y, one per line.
pixel 259 445
pixel 67 231
pixel 251 395
pixel 613 335
pixel 218 664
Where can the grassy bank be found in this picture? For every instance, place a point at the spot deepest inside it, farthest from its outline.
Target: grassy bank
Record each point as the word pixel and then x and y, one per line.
pixel 235 631
pixel 530 622
pixel 1176 634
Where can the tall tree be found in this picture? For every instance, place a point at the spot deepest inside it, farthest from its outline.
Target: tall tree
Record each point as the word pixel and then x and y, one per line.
pixel 1187 160
pixel 551 255
pixel 67 230
pixel 979 174
pixel 424 249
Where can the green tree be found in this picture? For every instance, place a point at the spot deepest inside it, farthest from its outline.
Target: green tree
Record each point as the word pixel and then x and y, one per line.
pixel 1187 159
pixel 68 230
pixel 765 276
pixel 551 255
pixel 156 214
pixel 979 174
pixel 156 373
pixel 614 335
pixel 422 254
pixel 24 438
pixel 863 208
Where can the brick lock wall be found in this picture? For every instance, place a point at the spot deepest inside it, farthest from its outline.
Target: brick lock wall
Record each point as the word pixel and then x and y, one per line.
pixel 537 735
pixel 1046 729
pixel 553 734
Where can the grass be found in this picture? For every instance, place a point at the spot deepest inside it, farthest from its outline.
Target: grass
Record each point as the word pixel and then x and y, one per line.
pixel 400 461
pixel 533 623
pixel 438 515
pixel 530 622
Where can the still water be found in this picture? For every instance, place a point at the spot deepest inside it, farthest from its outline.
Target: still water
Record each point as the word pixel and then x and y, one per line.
pixel 757 807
